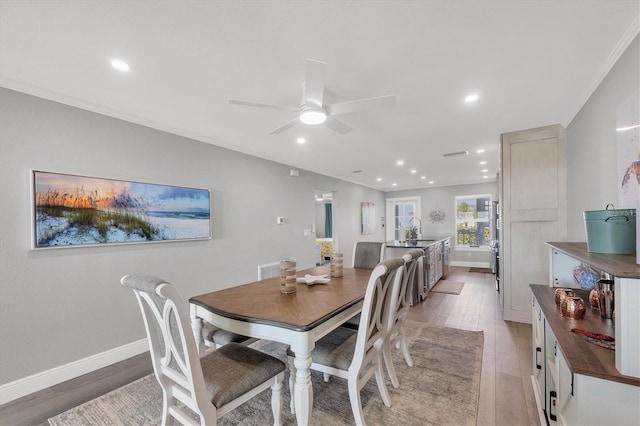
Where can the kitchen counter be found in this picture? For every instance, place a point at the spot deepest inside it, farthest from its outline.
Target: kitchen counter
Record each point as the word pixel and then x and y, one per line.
pixel 420 243
pixel 582 357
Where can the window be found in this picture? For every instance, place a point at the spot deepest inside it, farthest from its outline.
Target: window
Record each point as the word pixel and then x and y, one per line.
pixel 400 211
pixel 473 220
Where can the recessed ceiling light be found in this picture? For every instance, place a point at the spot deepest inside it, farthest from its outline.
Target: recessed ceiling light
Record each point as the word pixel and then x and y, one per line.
pixel 480 151
pixel 423 177
pixel 120 65
pixel 394 184
pixel 414 171
pixel 379 179
pixel 485 170
pixel 622 129
pixel 485 177
pixel 399 162
pixel 472 97
pixel 301 140
pixel 430 182
pixel 313 116
pixel 482 163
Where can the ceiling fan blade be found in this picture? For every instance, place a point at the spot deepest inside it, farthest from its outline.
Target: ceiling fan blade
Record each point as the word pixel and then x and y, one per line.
pixel 337 126
pixel 314 83
pixel 286 126
pixel 261 105
pixel 360 105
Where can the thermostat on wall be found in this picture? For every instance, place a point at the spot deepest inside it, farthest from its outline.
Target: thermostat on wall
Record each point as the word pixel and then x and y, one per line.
pixel 279 220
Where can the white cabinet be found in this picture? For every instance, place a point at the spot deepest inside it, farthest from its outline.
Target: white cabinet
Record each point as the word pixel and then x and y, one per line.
pixel 539 365
pixel 575 382
pixel 565 256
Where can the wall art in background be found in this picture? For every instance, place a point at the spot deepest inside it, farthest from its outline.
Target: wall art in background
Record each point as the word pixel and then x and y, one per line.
pixel 70 210
pixel 368 218
pixel 628 141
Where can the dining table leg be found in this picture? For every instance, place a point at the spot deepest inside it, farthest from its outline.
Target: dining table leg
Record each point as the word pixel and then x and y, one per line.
pixel 303 390
pixel 196 328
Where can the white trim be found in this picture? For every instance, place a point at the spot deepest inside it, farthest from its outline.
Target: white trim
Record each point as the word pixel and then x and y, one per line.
pixel 470 264
pixel 39 381
pixel 389 212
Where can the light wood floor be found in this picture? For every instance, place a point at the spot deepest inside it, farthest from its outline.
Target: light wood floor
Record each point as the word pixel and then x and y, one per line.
pixel 506 396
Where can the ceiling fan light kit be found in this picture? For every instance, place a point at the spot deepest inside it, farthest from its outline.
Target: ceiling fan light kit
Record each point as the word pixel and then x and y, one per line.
pixel 313 116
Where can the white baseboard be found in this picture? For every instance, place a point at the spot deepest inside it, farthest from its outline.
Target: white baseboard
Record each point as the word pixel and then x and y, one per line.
pixel 470 264
pixel 36 382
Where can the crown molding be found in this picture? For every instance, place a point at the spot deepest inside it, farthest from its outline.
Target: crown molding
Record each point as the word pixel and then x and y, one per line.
pixel 627 37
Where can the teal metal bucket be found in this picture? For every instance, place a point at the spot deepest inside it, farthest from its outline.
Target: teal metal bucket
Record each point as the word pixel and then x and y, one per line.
pixel 611 231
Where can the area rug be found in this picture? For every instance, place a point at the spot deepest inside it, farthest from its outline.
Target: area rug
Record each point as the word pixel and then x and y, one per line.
pixel 442 388
pixel 449 287
pixel 481 270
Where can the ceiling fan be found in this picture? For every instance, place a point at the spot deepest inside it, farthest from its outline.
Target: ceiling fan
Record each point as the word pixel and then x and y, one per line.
pixel 312 110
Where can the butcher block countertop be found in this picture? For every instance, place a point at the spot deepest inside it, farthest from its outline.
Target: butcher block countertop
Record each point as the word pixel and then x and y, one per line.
pixel 582 357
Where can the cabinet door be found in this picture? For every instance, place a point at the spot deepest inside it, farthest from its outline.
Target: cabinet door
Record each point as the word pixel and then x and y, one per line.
pixel 539 364
pixel 534 211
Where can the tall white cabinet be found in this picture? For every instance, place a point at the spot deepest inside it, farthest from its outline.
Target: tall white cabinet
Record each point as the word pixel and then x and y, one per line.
pixel 534 210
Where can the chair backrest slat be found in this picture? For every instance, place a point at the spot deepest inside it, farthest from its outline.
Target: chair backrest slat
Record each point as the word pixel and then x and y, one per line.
pixel 173 348
pixel 383 287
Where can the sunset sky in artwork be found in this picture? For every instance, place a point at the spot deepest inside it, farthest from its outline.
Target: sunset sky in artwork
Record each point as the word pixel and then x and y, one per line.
pixel 94 191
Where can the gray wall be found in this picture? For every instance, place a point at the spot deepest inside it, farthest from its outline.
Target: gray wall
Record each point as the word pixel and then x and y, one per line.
pixel 592 180
pixel 443 198
pixel 62 305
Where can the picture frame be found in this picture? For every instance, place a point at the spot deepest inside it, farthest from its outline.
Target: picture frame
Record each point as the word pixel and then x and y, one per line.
pixel 368 218
pixel 79 211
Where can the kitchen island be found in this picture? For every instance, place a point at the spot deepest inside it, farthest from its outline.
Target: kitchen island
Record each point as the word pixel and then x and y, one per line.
pixel 435 266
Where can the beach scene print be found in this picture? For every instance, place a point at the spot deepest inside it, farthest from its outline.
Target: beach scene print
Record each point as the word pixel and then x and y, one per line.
pixel 77 210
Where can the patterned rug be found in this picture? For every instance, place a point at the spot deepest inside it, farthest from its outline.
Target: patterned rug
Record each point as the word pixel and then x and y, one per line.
pixel 449 287
pixel 441 388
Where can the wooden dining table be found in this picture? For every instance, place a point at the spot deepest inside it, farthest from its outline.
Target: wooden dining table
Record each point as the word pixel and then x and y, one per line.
pixel 299 319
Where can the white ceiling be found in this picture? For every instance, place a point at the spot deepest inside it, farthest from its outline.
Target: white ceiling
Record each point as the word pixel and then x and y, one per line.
pixel 533 63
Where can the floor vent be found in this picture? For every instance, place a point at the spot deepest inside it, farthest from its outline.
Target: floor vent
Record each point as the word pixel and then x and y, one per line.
pixel 268 270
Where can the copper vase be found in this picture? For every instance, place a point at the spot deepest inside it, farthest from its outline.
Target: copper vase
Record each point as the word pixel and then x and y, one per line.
pixel 573 307
pixel 561 293
pixel 593 298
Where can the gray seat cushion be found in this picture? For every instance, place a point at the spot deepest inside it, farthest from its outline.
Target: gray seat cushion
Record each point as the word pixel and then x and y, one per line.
pixel 219 336
pixel 234 370
pixel 335 349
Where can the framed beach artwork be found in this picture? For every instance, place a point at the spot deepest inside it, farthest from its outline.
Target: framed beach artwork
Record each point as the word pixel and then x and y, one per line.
pixel 368 218
pixel 71 211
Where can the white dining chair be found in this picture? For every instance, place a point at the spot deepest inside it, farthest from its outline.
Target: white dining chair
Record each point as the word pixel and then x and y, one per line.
pixel 396 336
pixel 367 255
pixel 210 386
pixel 357 356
